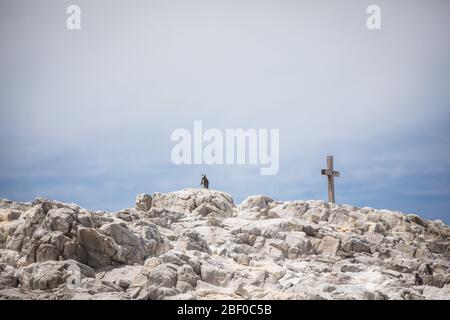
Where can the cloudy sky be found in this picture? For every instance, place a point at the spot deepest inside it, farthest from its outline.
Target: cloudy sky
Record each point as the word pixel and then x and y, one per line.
pixel 86 115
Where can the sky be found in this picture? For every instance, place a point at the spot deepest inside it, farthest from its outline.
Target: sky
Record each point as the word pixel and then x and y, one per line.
pixel 86 115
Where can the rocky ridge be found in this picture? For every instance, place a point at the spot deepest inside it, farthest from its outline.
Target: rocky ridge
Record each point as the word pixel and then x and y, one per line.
pixel 197 244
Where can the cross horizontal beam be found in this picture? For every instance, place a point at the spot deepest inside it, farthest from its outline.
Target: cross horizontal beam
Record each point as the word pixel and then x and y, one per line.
pixel 329 172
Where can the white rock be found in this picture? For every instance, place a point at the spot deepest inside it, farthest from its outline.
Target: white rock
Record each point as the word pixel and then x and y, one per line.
pixel 196 244
pixel 143 202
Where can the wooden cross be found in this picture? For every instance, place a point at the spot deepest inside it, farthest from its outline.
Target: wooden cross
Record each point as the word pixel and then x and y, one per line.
pixel 330 173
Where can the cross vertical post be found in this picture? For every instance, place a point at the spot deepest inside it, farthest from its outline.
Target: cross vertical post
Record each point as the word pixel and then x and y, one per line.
pixel 331 194
pixel 330 173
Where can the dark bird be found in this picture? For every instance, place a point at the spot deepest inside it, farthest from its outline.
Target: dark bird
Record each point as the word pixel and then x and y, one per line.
pixel 204 183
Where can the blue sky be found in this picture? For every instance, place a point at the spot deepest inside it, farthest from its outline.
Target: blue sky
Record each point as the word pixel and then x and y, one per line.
pixel 86 116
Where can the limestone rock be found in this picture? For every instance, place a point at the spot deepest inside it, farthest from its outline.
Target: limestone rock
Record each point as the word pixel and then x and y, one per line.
pixel 329 246
pixel 8 276
pixel 355 245
pixel 196 244
pixel 99 248
pixel 187 200
pixel 256 203
pixel 50 274
pixel 9 257
pixel 192 240
pixel 143 202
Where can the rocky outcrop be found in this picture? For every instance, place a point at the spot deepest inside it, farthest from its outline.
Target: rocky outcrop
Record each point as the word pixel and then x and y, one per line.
pixel 197 244
pixel 50 274
pixel 143 202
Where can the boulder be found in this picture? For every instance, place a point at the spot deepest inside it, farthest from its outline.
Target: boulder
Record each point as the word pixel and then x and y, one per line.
pixel 9 214
pixel 120 277
pixel 440 247
pixel 329 246
pixel 8 276
pixel 416 219
pixel 187 200
pixel 143 202
pixel 163 275
pixel 291 208
pixel 60 219
pixel 33 218
pixel 9 257
pixel 186 274
pixel 99 248
pixel 352 245
pixel 405 250
pixel 256 203
pixel 216 275
pixel 50 274
pixel 192 240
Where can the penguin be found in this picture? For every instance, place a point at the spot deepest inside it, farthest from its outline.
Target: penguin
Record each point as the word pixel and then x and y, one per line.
pixel 418 281
pixel 204 182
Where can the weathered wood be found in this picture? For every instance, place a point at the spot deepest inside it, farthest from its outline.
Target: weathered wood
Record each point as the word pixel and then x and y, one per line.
pixel 331 195
pixel 330 173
